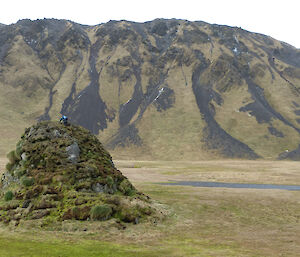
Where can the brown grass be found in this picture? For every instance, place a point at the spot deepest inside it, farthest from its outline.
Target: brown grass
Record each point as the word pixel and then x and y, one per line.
pixel 271 172
pixel 3 162
pixel 261 222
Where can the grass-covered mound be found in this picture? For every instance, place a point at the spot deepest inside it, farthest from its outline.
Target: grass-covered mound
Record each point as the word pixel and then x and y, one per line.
pixel 60 172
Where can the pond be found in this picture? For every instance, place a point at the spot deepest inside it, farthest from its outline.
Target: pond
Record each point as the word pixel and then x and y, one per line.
pixel 232 185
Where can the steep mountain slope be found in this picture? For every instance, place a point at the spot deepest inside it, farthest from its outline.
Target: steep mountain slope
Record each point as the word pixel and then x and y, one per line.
pixel 165 89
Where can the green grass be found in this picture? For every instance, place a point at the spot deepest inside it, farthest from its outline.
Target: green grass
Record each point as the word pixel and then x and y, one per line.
pixel 186 232
pixel 12 246
pixel 200 222
pixel 17 247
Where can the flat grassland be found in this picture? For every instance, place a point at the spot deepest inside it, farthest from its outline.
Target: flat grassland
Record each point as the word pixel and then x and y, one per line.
pixel 200 222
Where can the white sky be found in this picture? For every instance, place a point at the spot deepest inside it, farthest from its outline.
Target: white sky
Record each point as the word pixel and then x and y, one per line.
pixel 279 19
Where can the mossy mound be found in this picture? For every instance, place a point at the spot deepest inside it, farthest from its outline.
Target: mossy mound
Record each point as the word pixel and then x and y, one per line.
pixel 62 172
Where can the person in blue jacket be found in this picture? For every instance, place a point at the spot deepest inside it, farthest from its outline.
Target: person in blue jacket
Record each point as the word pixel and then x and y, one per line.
pixel 64 120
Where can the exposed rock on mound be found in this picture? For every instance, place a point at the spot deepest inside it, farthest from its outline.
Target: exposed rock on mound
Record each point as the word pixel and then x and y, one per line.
pixel 64 172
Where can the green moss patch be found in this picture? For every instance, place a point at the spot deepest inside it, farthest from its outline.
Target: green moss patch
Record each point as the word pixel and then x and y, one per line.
pixel 8 196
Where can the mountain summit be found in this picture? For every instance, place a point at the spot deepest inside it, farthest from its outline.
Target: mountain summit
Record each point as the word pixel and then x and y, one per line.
pixel 165 89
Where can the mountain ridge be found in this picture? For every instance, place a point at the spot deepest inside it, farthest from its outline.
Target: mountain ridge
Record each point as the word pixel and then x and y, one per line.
pixel 163 89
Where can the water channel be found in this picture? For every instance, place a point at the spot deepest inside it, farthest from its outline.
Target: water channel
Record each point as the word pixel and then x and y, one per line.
pixel 232 185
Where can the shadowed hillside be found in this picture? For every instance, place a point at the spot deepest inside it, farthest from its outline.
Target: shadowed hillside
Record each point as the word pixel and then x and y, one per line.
pixel 165 89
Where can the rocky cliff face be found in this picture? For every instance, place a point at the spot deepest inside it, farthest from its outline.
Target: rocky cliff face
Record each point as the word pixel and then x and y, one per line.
pixel 164 89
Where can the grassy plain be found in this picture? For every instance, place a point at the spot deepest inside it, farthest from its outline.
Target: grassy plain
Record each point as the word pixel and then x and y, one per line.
pixel 200 222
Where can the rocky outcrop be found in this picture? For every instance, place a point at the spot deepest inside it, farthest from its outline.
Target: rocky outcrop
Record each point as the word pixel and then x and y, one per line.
pixel 65 172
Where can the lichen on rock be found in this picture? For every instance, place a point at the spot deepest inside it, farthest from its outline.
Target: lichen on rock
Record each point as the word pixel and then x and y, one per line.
pixel 65 173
